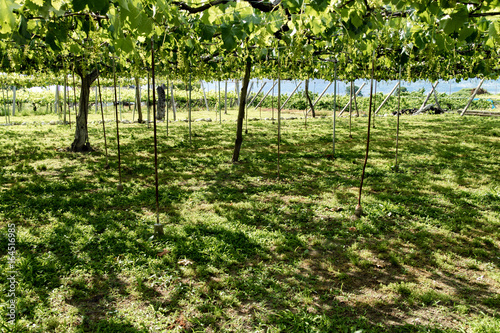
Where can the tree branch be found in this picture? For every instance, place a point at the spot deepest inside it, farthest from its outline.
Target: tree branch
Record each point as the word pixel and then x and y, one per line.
pixel 484 14
pixel 194 10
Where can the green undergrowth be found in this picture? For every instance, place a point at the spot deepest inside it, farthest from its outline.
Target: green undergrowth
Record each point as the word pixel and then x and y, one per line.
pixel 244 250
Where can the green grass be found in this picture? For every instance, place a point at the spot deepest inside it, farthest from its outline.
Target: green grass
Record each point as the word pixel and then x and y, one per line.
pixel 245 251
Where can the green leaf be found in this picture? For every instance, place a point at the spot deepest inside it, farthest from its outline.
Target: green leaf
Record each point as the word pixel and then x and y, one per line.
pixel 51 39
pixel 78 5
pixel 455 21
pixel 75 48
pixel 319 5
pixel 465 32
pixel 356 19
pixel 294 6
pixel 494 31
pixel 207 32
pixel 228 37
pixel 23 28
pixel 7 17
pixel 439 40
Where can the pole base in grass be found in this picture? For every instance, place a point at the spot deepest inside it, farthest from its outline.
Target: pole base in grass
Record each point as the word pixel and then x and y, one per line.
pixel 158 230
pixel 358 211
pixel 119 187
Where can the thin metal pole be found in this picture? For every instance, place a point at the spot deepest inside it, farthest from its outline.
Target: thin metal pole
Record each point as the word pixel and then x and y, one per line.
pixel 374 102
pixel 321 95
pixel 293 92
pixel 103 122
pixel 350 110
pixel 74 97
pixel 257 94
pixel 334 105
pixel 397 126
pixel 472 97
pixel 387 98
pixel 65 95
pixel 189 104
pixel 204 94
pixel 279 112
pixel 120 186
pixel 5 104
pixel 166 102
pixel 120 100
pixel 149 104
pixel 267 93
pixel 225 98
pixel 347 105
pixel 154 130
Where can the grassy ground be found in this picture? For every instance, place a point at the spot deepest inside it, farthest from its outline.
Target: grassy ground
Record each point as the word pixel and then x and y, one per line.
pixel 245 251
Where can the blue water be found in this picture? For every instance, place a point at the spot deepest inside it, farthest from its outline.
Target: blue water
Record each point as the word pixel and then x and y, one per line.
pixel 385 87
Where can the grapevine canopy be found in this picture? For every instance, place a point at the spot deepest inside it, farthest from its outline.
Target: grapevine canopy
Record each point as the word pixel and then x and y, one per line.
pixel 212 39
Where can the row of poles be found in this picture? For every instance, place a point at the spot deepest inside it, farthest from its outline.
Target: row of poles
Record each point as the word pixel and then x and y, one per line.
pixel 158 227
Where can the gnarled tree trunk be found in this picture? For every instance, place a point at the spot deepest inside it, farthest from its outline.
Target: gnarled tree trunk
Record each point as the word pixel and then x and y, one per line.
pixel 241 112
pixel 81 142
pixel 160 113
pixel 309 99
pixel 138 99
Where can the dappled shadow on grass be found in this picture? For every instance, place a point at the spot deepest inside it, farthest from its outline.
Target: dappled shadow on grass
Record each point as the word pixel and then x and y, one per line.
pixel 261 253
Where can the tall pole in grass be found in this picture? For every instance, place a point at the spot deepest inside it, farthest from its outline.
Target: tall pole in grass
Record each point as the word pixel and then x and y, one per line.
pixel 74 97
pixel 350 110
pixel 359 210
pixel 65 95
pixel 334 105
pixel 225 98
pixel 189 104
pixel 120 186
pixel 149 104
pixel 103 122
pixel 375 103
pixel 158 226
pixel 13 100
pixel 279 111
pixel 219 106
pixel 396 167
pixel 5 105
pixel 166 102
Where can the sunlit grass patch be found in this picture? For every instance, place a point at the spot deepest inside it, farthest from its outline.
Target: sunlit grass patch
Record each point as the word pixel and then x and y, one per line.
pixel 244 250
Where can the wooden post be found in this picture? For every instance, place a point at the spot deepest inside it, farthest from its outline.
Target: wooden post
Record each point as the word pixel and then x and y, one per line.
pixel 472 97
